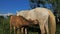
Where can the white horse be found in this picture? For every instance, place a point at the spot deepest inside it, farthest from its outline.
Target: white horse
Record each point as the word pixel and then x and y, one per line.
pixel 42 15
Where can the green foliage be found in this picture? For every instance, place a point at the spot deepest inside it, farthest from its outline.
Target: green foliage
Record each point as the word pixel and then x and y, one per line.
pixel 1 24
pixel 4 25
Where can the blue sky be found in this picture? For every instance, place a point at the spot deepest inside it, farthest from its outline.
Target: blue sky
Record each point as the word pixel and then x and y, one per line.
pixel 12 6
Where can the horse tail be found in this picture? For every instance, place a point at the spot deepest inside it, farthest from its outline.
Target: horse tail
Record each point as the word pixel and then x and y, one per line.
pixel 52 23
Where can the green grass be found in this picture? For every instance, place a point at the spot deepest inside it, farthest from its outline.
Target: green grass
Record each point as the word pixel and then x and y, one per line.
pixel 4 25
pixel 33 32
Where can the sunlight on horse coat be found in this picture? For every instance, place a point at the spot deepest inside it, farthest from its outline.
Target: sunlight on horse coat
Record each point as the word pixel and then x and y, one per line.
pixel 42 15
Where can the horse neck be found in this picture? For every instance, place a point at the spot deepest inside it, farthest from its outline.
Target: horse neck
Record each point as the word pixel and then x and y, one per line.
pixel 26 21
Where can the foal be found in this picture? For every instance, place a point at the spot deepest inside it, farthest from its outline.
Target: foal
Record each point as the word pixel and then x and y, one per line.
pixel 18 22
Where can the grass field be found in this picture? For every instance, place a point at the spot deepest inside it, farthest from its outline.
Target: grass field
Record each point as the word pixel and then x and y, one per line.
pixel 4 27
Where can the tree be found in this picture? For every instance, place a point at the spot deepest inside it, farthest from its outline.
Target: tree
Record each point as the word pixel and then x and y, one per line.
pixel 1 24
pixel 55 4
pixel 35 3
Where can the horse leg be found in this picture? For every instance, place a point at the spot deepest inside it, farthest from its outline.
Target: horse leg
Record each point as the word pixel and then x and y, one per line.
pixel 10 29
pixel 47 30
pixel 26 31
pixel 42 29
pixel 41 25
pixel 14 30
pixel 18 31
pixel 46 27
pixel 22 30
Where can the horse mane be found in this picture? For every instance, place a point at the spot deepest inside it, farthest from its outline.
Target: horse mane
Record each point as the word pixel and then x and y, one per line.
pixel 19 17
pixel 24 18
